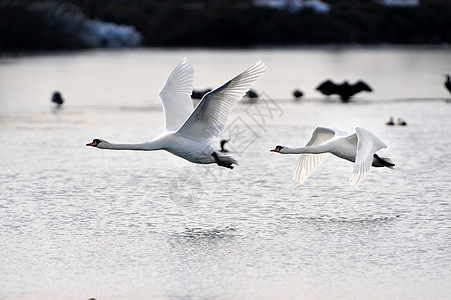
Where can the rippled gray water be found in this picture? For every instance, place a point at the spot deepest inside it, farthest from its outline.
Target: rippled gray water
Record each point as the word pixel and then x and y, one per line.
pixel 78 222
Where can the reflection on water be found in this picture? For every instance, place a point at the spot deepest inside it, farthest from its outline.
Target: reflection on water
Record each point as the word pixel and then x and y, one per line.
pixel 79 222
pixel 346 220
pixel 207 235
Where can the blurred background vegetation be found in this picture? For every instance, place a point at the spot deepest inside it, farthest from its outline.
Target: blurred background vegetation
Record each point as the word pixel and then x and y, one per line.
pixel 75 24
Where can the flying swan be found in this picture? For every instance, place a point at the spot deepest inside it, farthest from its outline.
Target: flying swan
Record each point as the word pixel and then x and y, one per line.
pixel 188 131
pixel 359 147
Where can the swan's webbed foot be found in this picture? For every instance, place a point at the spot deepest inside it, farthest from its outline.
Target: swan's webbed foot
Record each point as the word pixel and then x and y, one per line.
pixel 220 162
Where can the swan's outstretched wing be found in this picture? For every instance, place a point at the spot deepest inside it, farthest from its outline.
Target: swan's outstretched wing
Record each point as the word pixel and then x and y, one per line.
pixel 209 117
pixel 175 96
pixel 367 145
pixel 307 163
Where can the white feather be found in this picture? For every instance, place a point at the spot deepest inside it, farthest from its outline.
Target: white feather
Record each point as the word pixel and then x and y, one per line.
pixel 209 117
pixel 175 96
pixel 367 145
pixel 308 163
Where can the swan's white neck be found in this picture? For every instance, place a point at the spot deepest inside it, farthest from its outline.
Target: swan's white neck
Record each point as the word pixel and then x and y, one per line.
pixel 149 146
pixel 309 149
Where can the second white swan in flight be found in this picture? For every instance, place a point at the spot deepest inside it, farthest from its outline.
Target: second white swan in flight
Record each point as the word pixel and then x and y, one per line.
pixel 188 132
pixel 359 147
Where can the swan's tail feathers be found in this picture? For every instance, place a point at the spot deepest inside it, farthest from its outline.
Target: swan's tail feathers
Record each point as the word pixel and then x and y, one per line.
pixel 230 159
pixel 382 162
pixel 224 160
pixel 359 173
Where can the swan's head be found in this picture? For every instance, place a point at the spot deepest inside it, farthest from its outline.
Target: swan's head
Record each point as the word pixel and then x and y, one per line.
pixel 95 143
pixel 278 148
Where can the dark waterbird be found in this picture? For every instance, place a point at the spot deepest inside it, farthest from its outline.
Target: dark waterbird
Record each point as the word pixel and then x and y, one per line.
pixel 223 142
pixel 297 94
pixel 448 83
pixel 344 90
pixel 251 94
pixel 401 122
pixel 57 99
pixel 390 122
pixel 199 94
pixel 250 97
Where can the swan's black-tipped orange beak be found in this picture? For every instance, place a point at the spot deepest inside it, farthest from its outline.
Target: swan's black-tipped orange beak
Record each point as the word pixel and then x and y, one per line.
pixel 93 144
pixel 277 149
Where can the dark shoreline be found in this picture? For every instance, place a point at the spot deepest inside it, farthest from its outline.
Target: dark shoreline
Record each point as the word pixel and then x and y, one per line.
pixel 221 24
pixel 332 47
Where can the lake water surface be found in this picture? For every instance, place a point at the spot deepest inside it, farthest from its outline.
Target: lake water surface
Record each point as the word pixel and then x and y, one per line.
pixel 78 222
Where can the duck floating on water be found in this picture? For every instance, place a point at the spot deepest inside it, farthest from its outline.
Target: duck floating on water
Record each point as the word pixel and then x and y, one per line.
pixel 222 143
pixel 250 97
pixel 390 122
pixel 297 94
pixel 401 122
pixel 57 98
pixel 199 94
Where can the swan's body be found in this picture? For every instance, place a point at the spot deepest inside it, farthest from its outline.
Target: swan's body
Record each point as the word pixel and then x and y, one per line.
pixel 188 132
pixel 359 147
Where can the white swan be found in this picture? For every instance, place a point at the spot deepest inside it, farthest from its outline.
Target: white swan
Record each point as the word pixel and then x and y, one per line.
pixel 188 132
pixel 359 147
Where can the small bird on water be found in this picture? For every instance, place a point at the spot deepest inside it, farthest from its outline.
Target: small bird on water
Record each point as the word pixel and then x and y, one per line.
pixel 390 122
pixel 297 94
pixel 448 83
pixel 401 122
pixel 223 142
pixel 251 97
pixel 198 94
pixel 57 99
